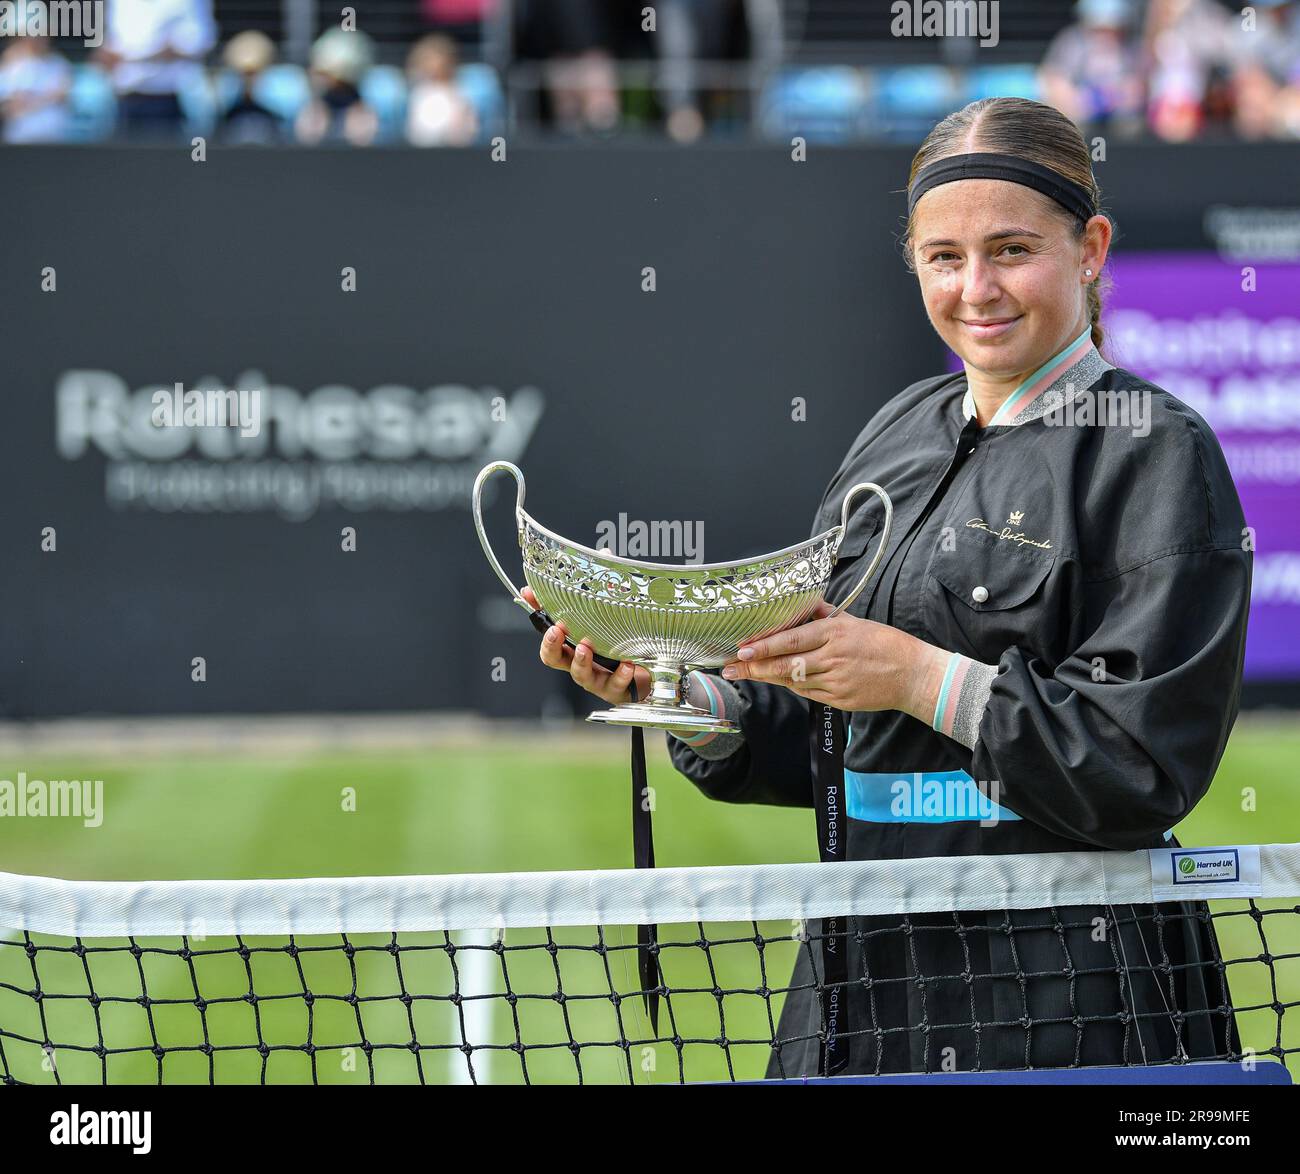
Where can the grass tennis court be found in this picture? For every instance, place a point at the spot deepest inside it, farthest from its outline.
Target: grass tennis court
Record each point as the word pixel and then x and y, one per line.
pixel 514 806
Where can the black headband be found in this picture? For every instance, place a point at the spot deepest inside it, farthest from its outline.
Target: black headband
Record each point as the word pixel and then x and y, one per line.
pixel 987 165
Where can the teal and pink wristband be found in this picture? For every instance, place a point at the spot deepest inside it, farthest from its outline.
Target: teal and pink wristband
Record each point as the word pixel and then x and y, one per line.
pixel 719 697
pixel 963 694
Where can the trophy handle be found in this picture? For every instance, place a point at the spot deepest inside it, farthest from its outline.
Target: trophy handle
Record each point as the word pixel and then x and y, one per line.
pixel 517 473
pixel 537 616
pixel 863 486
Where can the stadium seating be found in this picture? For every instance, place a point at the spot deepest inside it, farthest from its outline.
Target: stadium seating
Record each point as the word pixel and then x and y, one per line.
pixel 383 89
pixel 92 103
pixel 481 85
pixel 826 104
pixel 1001 81
pixel 911 99
pixel 198 100
pixel 283 90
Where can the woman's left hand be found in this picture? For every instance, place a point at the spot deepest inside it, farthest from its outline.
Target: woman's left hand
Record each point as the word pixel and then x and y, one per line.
pixel 853 664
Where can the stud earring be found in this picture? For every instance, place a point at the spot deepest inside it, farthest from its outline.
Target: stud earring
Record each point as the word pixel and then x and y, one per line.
pixel 1087 272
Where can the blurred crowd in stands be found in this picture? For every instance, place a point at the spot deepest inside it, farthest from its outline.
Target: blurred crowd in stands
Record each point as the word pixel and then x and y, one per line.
pixel 1175 69
pixel 1185 65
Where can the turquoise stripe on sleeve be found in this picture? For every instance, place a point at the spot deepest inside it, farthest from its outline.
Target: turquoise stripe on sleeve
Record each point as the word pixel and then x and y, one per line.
pixel 936 723
pixel 932 796
pixel 710 692
pixel 703 736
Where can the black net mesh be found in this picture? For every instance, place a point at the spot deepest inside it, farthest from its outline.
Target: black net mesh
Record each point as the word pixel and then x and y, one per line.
pixel 944 991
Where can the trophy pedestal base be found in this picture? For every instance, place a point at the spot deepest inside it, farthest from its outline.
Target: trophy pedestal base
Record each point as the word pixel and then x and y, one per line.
pixel 681 719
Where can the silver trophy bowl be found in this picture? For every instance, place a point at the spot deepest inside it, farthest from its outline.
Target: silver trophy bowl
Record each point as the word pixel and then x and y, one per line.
pixel 671 619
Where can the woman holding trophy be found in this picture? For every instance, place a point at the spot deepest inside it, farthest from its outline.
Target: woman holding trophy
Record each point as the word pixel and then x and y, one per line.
pixel 1049 659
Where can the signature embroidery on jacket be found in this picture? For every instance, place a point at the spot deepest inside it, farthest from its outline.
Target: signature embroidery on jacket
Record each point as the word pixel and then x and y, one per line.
pixel 1007 534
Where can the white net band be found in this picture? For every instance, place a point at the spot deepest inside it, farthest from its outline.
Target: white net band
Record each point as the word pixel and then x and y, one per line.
pixel 353 905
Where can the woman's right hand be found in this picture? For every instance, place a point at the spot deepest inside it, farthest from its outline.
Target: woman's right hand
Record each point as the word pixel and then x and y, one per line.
pixel 578 663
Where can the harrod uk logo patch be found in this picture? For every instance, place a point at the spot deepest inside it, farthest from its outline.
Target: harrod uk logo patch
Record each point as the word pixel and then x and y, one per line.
pixel 1178 874
pixel 1212 866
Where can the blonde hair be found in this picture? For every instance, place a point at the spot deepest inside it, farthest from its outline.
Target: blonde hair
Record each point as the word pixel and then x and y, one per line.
pixel 1027 130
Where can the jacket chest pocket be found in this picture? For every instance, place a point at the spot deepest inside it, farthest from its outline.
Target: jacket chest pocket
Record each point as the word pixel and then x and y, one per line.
pixel 989 595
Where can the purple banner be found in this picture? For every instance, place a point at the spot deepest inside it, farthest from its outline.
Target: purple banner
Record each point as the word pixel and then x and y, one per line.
pixel 1225 339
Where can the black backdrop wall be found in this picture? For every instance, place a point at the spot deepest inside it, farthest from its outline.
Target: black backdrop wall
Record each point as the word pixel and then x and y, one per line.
pixel 500 310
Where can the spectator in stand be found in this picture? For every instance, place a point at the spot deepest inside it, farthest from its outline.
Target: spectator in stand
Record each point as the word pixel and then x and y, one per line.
pixel 339 60
pixel 1092 69
pixel 34 85
pixel 462 20
pixel 1185 53
pixel 154 50
pixel 574 41
pixel 247 122
pixel 1266 72
pixel 437 113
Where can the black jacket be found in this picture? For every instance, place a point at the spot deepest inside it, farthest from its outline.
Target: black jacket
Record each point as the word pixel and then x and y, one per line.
pixel 1116 581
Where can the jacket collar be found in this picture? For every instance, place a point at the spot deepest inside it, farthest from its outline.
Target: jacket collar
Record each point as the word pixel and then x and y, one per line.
pixel 1070 371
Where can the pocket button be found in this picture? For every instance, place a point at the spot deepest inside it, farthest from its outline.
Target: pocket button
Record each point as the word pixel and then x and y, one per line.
pixel 980 595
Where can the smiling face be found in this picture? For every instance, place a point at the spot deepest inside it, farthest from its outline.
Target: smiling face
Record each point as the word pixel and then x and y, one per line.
pixel 1002 274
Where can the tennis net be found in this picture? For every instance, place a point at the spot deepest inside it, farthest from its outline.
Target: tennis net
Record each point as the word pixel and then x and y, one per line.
pixel 956 964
